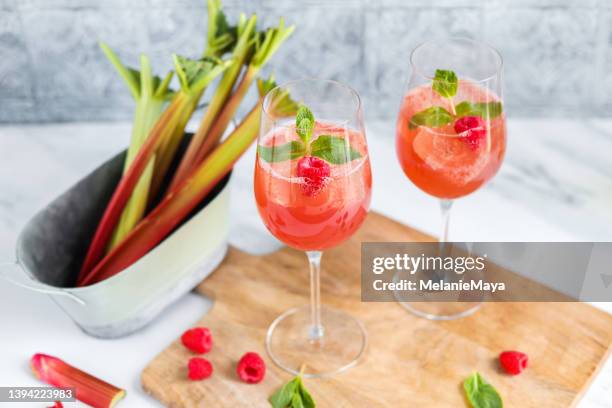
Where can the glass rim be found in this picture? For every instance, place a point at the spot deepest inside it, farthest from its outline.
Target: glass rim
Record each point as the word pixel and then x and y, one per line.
pixel 286 84
pixel 498 68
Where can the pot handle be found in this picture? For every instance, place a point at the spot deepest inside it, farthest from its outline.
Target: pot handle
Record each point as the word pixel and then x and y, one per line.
pixel 12 272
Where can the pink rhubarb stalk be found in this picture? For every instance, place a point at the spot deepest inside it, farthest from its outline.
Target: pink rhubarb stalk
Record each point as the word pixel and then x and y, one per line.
pixel 88 389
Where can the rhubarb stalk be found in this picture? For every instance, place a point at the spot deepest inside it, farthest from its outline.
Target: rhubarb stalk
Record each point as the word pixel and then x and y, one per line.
pixel 221 39
pixel 194 76
pixel 245 32
pixel 263 52
pixel 151 94
pixel 88 389
pixel 179 203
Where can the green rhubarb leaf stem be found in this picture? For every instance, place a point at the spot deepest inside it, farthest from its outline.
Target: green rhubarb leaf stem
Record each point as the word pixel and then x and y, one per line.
pixel 146 116
pixel 167 152
pixel 225 116
pixel 150 94
pixel 246 29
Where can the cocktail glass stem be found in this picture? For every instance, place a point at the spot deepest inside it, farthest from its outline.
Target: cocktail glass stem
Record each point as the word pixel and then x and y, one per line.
pixel 316 328
pixel 445 208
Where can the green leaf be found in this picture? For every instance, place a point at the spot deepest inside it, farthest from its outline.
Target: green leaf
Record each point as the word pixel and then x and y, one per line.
pixel 162 87
pixel 435 116
pixel 307 399
pixel 221 37
pixel 279 153
pixel 304 123
pixel 296 401
pixel 335 150
pixel 129 75
pixel 445 83
pixel 195 75
pixel 267 44
pixel 486 110
pixel 481 394
pixel 142 84
pixel 284 395
pixel 281 105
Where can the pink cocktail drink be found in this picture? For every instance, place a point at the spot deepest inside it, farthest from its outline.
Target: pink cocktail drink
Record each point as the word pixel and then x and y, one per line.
pixel 308 212
pixel 444 161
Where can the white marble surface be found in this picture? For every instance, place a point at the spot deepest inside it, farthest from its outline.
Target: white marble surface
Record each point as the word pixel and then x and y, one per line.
pixel 555 185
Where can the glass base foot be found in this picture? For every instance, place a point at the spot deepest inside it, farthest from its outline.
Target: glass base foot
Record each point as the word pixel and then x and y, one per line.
pixel 292 346
pixel 441 310
pixel 454 305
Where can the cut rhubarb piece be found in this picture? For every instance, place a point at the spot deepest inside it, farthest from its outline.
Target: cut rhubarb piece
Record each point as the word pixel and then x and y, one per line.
pixel 88 389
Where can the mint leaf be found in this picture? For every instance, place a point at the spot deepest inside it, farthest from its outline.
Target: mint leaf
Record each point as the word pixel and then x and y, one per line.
pixel 481 394
pixel 296 401
pixel 486 110
pixel 332 149
pixel 435 116
pixel 445 83
pixel 304 123
pixel 279 153
pixel 307 399
pixel 284 395
pixel 292 395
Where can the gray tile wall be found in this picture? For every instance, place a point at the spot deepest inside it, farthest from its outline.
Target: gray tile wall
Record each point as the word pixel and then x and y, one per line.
pixel 558 53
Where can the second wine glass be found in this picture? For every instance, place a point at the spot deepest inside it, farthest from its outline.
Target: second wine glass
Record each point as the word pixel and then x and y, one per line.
pixel 451 136
pixel 313 186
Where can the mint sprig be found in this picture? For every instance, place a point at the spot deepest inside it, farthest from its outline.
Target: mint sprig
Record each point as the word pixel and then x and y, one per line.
pixel 480 393
pixel 304 123
pixel 333 149
pixel 445 84
pixel 292 395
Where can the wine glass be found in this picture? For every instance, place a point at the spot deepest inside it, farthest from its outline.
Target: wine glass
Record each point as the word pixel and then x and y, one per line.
pixel 313 186
pixel 451 134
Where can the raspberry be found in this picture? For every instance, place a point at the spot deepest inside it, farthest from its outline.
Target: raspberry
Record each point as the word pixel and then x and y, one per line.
pixel 513 362
pixel 315 174
pixel 199 368
pixel 251 368
pixel 473 128
pixel 198 340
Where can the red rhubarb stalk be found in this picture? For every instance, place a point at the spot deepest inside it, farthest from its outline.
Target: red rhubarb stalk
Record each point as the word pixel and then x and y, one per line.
pixel 88 389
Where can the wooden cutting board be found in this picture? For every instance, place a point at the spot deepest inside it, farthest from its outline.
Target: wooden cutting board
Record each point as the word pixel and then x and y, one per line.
pixel 409 362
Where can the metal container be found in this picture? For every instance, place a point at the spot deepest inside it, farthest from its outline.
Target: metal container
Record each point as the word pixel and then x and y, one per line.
pixel 52 245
